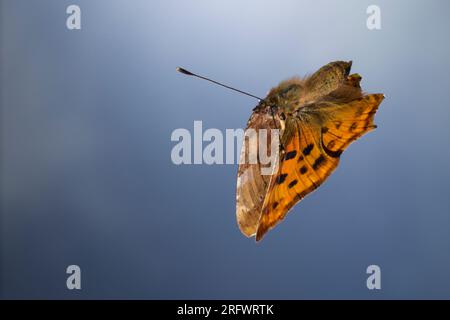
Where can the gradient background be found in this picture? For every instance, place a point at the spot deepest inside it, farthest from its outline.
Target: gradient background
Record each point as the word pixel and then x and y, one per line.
pixel 87 179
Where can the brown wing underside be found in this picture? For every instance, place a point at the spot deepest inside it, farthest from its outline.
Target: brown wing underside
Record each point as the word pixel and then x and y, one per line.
pixel 252 185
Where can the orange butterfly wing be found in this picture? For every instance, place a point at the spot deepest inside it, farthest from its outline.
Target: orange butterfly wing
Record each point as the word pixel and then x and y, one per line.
pixel 314 139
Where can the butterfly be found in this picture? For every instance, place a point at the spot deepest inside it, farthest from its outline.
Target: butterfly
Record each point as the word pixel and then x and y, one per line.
pixel 318 117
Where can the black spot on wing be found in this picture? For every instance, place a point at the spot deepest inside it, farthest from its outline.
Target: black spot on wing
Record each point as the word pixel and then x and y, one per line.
pixel 319 161
pixel 303 170
pixel 290 155
pixel 308 149
pixel 292 183
pixel 281 178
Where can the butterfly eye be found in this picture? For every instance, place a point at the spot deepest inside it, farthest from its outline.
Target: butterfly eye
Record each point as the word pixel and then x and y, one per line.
pixel 273 109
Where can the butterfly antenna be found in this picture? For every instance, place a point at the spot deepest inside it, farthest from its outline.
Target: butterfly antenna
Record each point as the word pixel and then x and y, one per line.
pixel 186 72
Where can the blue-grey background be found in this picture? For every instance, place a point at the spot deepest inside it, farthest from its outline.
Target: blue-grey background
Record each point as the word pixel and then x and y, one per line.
pixel 87 179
